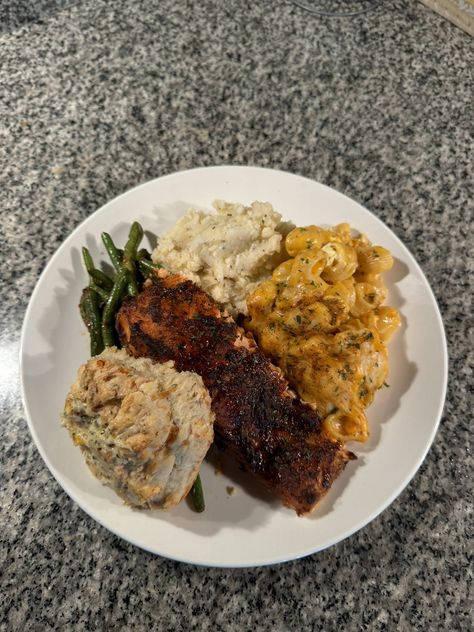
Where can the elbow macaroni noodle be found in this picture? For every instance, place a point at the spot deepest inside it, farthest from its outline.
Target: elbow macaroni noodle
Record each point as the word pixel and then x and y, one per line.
pixel 322 319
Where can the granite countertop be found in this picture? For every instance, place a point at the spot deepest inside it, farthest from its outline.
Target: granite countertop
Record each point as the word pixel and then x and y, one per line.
pixel 96 97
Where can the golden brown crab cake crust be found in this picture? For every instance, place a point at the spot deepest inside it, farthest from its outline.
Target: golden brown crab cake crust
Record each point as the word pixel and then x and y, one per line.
pixel 144 428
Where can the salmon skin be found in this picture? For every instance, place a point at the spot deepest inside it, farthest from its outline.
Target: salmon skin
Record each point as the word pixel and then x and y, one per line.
pixel 258 419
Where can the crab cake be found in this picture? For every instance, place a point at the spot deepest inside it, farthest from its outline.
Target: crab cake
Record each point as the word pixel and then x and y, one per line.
pixel 143 428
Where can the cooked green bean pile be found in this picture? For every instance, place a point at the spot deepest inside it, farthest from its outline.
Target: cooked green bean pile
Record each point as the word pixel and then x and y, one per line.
pixel 101 300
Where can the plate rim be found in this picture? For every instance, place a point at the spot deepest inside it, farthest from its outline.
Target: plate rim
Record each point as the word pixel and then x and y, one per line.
pixel 275 560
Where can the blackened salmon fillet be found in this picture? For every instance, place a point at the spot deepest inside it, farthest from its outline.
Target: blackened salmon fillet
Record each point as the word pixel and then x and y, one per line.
pixel 258 419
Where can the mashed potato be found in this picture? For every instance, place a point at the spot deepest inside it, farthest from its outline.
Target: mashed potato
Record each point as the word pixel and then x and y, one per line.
pixel 227 253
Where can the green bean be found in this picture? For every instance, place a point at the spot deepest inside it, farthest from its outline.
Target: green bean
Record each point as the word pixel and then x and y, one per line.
pixel 95 275
pixel 149 265
pixel 145 264
pixel 143 254
pixel 89 308
pixel 125 258
pixel 129 256
pixel 112 250
pixel 130 251
pixel 108 315
pixel 147 268
pixel 116 256
pixel 132 286
pixel 104 295
pixel 197 495
pixel 101 279
pixel 88 262
pixel 145 272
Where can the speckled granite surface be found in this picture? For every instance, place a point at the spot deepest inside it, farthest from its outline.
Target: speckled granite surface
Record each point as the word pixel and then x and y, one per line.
pixel 96 97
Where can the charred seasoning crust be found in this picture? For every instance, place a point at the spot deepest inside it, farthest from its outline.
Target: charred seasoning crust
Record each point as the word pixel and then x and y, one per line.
pixel 270 432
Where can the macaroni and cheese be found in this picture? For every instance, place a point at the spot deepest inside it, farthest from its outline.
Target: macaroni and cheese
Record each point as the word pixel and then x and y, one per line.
pixel 322 319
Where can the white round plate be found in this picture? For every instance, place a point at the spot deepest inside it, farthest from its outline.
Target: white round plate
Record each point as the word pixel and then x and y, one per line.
pixel 247 527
